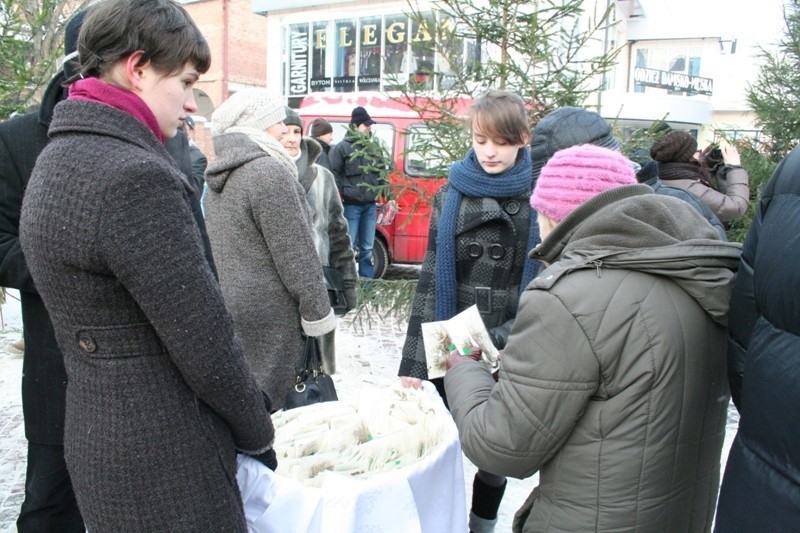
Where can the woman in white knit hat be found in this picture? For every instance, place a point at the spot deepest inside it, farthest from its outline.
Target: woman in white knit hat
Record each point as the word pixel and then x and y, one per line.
pixel 258 223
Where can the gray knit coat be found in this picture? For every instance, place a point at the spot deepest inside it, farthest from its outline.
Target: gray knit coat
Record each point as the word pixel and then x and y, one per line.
pixel 159 395
pixel 271 277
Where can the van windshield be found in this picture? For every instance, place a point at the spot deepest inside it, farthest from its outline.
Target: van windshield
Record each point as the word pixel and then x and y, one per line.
pixel 424 156
pixel 383 132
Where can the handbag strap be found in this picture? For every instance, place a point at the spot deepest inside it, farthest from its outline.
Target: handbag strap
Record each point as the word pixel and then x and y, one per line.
pixel 312 362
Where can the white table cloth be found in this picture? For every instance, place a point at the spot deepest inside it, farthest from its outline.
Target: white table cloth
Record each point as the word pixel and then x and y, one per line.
pixel 427 496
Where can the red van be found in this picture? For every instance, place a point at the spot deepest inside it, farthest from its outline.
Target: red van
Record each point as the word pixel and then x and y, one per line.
pixel 413 182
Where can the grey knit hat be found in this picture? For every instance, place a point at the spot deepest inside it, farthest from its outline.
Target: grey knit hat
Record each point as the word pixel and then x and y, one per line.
pixel 566 127
pixel 293 119
pixel 253 108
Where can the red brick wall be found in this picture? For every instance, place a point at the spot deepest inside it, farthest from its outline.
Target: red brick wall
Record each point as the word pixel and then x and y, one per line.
pixel 245 49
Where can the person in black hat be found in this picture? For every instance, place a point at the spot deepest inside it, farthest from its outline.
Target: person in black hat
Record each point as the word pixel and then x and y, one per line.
pixel 354 169
pixel 197 158
pixel 49 503
pixel 322 132
pixel 565 127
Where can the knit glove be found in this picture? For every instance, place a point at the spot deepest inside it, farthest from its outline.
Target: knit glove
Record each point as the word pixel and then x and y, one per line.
pixel 350 294
pixel 268 459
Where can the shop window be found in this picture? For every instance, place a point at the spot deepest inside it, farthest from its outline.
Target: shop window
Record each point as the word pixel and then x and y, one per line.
pixel 376 53
pixel 396 54
pixel 422 66
pixel 320 75
pixel 369 67
pixel 346 61
pixel 678 59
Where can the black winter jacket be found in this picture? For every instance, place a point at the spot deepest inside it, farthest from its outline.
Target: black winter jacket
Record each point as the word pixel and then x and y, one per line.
pixel 761 487
pixel 349 172
pixel 44 380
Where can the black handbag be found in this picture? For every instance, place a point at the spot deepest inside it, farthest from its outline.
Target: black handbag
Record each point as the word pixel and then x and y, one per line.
pixel 334 282
pixel 312 384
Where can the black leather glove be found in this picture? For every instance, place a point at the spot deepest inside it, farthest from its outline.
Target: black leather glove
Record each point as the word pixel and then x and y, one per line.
pixel 499 334
pixel 350 294
pixel 268 459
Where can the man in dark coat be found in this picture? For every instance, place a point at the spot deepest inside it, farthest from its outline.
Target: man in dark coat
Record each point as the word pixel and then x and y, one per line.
pixel 197 158
pixel 357 176
pixel 322 132
pixel 49 503
pixel 761 487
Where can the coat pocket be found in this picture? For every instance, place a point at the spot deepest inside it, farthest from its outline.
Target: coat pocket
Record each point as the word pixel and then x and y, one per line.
pixel 119 342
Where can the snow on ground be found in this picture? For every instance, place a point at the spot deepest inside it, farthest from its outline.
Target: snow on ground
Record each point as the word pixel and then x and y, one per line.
pixel 367 356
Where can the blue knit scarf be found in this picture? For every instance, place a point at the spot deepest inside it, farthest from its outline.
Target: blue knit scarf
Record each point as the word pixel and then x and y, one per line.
pixel 467 177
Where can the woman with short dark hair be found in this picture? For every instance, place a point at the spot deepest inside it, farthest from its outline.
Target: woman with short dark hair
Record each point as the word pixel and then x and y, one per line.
pixel 159 397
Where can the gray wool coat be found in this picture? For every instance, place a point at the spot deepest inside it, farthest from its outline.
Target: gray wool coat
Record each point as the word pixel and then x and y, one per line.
pixel 612 385
pixel 159 395
pixel 258 224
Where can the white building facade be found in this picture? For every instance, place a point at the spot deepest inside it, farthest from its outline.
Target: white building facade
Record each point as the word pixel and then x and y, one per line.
pixel 688 63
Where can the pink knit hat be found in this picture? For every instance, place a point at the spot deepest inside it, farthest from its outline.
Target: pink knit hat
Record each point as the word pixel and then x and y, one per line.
pixel 576 174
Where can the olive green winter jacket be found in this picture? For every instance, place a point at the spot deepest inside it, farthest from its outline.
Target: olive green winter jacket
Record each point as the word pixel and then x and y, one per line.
pixel 612 385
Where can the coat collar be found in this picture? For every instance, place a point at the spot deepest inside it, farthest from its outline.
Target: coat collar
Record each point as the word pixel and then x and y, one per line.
pixel 648 233
pixel 550 248
pixel 54 93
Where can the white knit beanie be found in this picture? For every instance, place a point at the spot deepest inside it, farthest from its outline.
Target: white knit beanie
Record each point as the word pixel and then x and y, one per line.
pixel 252 108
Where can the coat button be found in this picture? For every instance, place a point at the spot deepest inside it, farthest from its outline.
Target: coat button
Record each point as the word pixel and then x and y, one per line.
pixel 512 207
pixel 496 251
pixel 87 344
pixel 474 250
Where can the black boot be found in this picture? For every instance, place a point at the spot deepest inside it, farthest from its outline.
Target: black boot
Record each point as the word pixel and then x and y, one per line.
pixel 485 503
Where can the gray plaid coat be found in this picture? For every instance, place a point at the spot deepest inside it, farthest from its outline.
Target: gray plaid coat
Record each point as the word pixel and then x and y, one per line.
pixel 491 247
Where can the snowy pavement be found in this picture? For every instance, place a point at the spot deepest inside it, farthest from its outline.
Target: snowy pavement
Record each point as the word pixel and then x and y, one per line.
pixel 367 356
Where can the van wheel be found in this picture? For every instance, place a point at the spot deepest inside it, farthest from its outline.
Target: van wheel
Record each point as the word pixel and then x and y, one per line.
pixel 380 257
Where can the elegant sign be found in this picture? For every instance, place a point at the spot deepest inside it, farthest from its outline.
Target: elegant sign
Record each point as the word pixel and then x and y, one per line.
pixel 395 33
pixel 673 81
pixel 298 59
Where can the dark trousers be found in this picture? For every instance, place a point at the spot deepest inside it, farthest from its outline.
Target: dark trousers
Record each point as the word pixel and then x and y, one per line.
pixel 50 503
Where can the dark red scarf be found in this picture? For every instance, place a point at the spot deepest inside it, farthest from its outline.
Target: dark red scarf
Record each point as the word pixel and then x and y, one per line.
pixel 95 90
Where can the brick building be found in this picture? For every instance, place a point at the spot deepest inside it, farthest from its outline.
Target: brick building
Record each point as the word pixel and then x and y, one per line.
pixel 237 38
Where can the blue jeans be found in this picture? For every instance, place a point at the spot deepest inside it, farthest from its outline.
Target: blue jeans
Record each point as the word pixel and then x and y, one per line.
pixel 361 228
